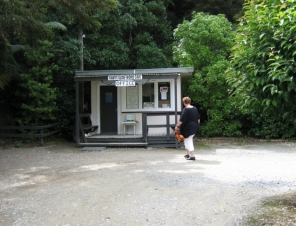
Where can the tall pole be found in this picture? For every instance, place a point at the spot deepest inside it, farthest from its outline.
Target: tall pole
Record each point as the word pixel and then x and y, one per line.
pixel 80 37
pixel 81 93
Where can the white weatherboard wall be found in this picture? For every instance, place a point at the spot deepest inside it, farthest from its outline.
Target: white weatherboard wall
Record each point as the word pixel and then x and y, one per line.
pixel 121 103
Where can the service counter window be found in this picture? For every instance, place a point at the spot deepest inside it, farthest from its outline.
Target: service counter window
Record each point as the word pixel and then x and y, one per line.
pixel 148 95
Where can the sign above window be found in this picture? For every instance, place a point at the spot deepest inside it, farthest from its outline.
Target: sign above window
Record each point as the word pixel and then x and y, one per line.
pixel 125 77
pixel 125 83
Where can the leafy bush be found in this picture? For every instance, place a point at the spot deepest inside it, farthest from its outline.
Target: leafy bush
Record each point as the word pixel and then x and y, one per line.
pixel 39 96
pixel 68 60
pixel 207 47
pixel 264 58
pixel 268 126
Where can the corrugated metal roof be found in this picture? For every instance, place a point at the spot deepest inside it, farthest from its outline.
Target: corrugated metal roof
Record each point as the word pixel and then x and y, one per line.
pixel 157 72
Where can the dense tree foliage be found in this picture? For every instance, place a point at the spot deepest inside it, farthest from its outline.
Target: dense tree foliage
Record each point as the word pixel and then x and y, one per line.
pixel 183 9
pixel 67 58
pixel 18 22
pixel 205 42
pixel 264 58
pixel 134 35
pixel 27 22
pixel 39 50
pixel 37 93
pixel 27 60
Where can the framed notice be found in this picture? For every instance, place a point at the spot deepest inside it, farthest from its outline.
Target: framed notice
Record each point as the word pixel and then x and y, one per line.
pixel 109 97
pixel 132 97
pixel 163 92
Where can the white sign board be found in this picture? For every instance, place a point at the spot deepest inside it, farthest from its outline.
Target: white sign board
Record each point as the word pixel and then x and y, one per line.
pixel 125 83
pixel 124 77
pixel 138 77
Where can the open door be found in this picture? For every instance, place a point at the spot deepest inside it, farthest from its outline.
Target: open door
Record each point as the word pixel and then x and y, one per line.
pixel 108 102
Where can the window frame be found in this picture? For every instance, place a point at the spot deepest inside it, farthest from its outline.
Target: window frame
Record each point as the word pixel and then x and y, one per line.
pixel 156 97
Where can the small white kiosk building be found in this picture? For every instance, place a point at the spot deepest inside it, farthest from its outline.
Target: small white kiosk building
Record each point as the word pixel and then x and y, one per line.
pixel 137 106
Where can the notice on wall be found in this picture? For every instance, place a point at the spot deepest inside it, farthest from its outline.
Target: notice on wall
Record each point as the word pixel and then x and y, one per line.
pixel 163 92
pixel 132 97
pixel 109 97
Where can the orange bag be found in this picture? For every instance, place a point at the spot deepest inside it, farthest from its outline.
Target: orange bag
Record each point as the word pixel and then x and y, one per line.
pixel 178 136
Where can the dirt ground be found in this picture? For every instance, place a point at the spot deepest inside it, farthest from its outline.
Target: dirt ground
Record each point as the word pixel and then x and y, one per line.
pixel 60 184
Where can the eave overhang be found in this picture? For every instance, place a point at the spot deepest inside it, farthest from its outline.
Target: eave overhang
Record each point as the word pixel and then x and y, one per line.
pixel 155 73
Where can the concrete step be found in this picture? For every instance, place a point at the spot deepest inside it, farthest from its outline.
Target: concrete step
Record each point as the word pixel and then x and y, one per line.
pixel 114 144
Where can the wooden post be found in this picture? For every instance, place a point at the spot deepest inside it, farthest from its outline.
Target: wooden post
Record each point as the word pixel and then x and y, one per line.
pixel 77 115
pixel 41 138
pixel 176 107
pixel 168 128
pixel 144 127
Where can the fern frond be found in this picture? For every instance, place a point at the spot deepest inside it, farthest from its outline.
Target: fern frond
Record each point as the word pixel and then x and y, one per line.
pixel 4 80
pixel 56 25
pixel 17 48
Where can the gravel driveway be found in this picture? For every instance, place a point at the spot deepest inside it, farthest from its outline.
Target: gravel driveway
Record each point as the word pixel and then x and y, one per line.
pixel 59 184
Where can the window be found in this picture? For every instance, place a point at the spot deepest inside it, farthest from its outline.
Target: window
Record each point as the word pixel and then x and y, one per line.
pixel 148 95
pixel 151 95
pixel 164 97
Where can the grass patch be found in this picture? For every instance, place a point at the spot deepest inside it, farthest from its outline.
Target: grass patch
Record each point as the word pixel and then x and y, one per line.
pixel 278 210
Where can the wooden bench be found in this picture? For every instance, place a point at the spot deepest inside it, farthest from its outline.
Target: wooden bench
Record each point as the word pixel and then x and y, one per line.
pixel 86 125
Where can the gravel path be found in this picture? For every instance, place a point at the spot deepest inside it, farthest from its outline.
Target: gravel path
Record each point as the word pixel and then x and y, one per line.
pixel 61 185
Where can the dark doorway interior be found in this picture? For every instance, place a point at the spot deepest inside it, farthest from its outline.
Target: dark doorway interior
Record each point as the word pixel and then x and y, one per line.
pixel 108 102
